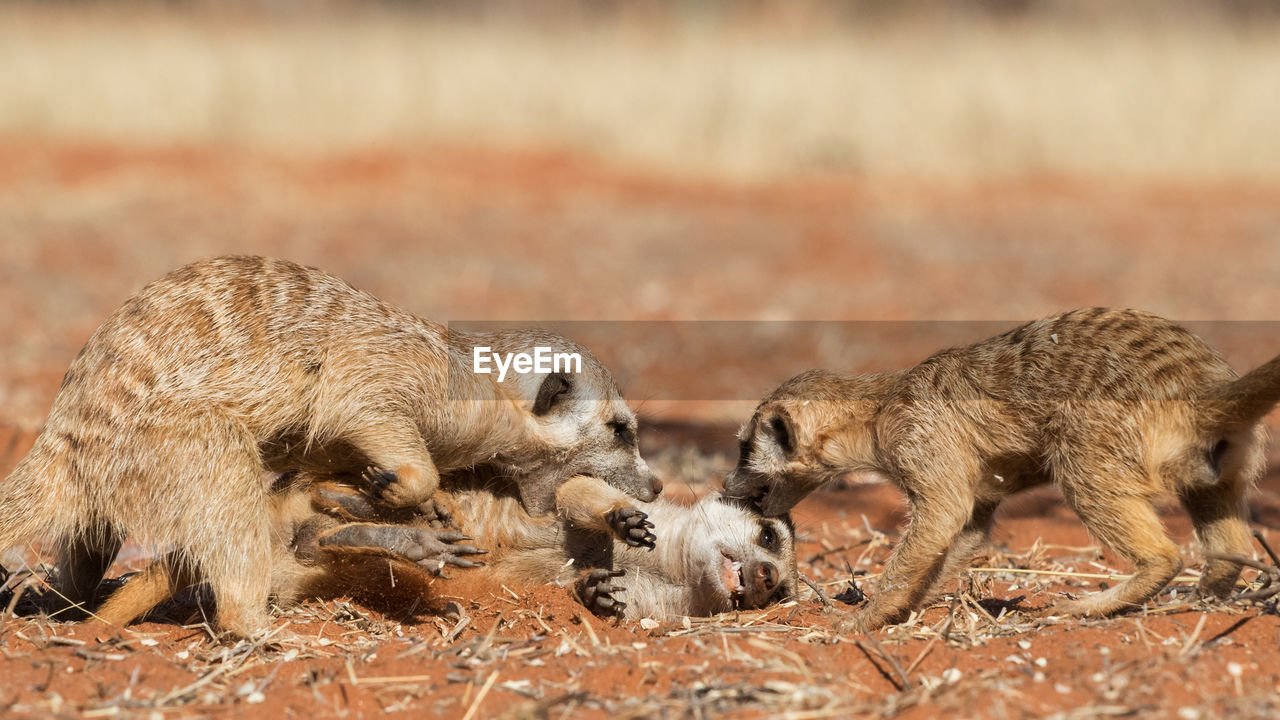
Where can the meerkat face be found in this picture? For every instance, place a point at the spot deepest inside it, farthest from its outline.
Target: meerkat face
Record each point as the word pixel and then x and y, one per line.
pixel 743 560
pixel 795 440
pixel 577 423
pixel 588 427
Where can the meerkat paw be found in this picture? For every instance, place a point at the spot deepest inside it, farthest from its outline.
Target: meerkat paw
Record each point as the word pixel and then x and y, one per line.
pixel 1098 604
pixel 435 549
pixel 874 616
pixel 243 625
pixel 632 527
pixel 436 514
pixel 395 488
pixel 343 502
pixel 596 591
pixel 429 548
pixel 863 622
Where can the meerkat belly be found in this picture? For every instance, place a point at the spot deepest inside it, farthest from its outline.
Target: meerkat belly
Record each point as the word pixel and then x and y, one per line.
pixel 503 526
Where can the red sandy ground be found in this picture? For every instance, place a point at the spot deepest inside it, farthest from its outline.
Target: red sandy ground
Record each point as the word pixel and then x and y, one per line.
pixel 476 235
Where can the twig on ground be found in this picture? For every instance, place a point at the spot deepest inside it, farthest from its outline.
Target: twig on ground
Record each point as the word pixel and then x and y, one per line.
pixel 893 662
pixel 945 628
pixel 484 690
pixel 817 590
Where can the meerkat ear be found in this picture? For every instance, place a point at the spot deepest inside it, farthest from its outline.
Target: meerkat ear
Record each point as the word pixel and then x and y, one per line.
pixel 781 430
pixel 746 439
pixel 553 386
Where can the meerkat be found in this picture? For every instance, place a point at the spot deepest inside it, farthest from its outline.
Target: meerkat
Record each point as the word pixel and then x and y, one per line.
pixel 228 368
pixel 1114 407
pixel 713 556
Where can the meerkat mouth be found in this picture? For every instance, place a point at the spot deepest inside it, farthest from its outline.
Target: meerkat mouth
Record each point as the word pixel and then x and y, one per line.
pixel 731 578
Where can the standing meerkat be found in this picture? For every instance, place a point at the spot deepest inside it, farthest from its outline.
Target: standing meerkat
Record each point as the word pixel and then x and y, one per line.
pixel 1112 406
pixel 225 369
pixel 713 556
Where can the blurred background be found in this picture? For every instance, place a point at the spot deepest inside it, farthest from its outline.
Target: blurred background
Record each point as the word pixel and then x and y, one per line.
pixel 694 160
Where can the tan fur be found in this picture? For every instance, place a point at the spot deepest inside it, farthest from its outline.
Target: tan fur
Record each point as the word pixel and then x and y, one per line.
pixel 585 502
pixel 167 419
pixel 1113 406
pixel 681 576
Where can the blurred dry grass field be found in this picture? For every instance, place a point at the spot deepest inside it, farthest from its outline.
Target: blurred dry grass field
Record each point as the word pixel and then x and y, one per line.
pixel 1170 94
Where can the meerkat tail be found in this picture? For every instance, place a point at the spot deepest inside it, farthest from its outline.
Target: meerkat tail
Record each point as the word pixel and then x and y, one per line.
pixel 1247 399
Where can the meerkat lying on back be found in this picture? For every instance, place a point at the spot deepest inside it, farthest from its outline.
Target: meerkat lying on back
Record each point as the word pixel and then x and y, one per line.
pixel 713 556
pixel 227 368
pixel 1112 406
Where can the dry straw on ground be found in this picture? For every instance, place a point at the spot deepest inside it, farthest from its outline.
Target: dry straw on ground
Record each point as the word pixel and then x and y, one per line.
pixel 532 653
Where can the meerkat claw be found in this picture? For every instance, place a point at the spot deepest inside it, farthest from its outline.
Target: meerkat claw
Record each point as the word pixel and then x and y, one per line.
pixel 632 527
pixel 596 589
pixel 436 565
pixel 377 481
pixel 432 549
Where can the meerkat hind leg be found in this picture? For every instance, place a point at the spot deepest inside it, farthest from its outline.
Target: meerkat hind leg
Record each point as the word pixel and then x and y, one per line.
pixel 1130 526
pixel 240 578
pixel 1219 514
pixel 230 546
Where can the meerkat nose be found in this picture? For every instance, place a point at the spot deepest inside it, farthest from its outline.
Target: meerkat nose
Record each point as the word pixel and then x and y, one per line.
pixel 656 483
pixel 767 574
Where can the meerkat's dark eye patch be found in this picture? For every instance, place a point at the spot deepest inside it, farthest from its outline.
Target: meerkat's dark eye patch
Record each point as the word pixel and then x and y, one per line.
pixel 623 432
pixel 553 387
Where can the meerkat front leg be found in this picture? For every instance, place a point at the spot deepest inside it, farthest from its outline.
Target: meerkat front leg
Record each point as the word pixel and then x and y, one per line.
pixel 406 476
pixel 916 563
pixel 972 537
pixel 592 504
pixel 596 588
